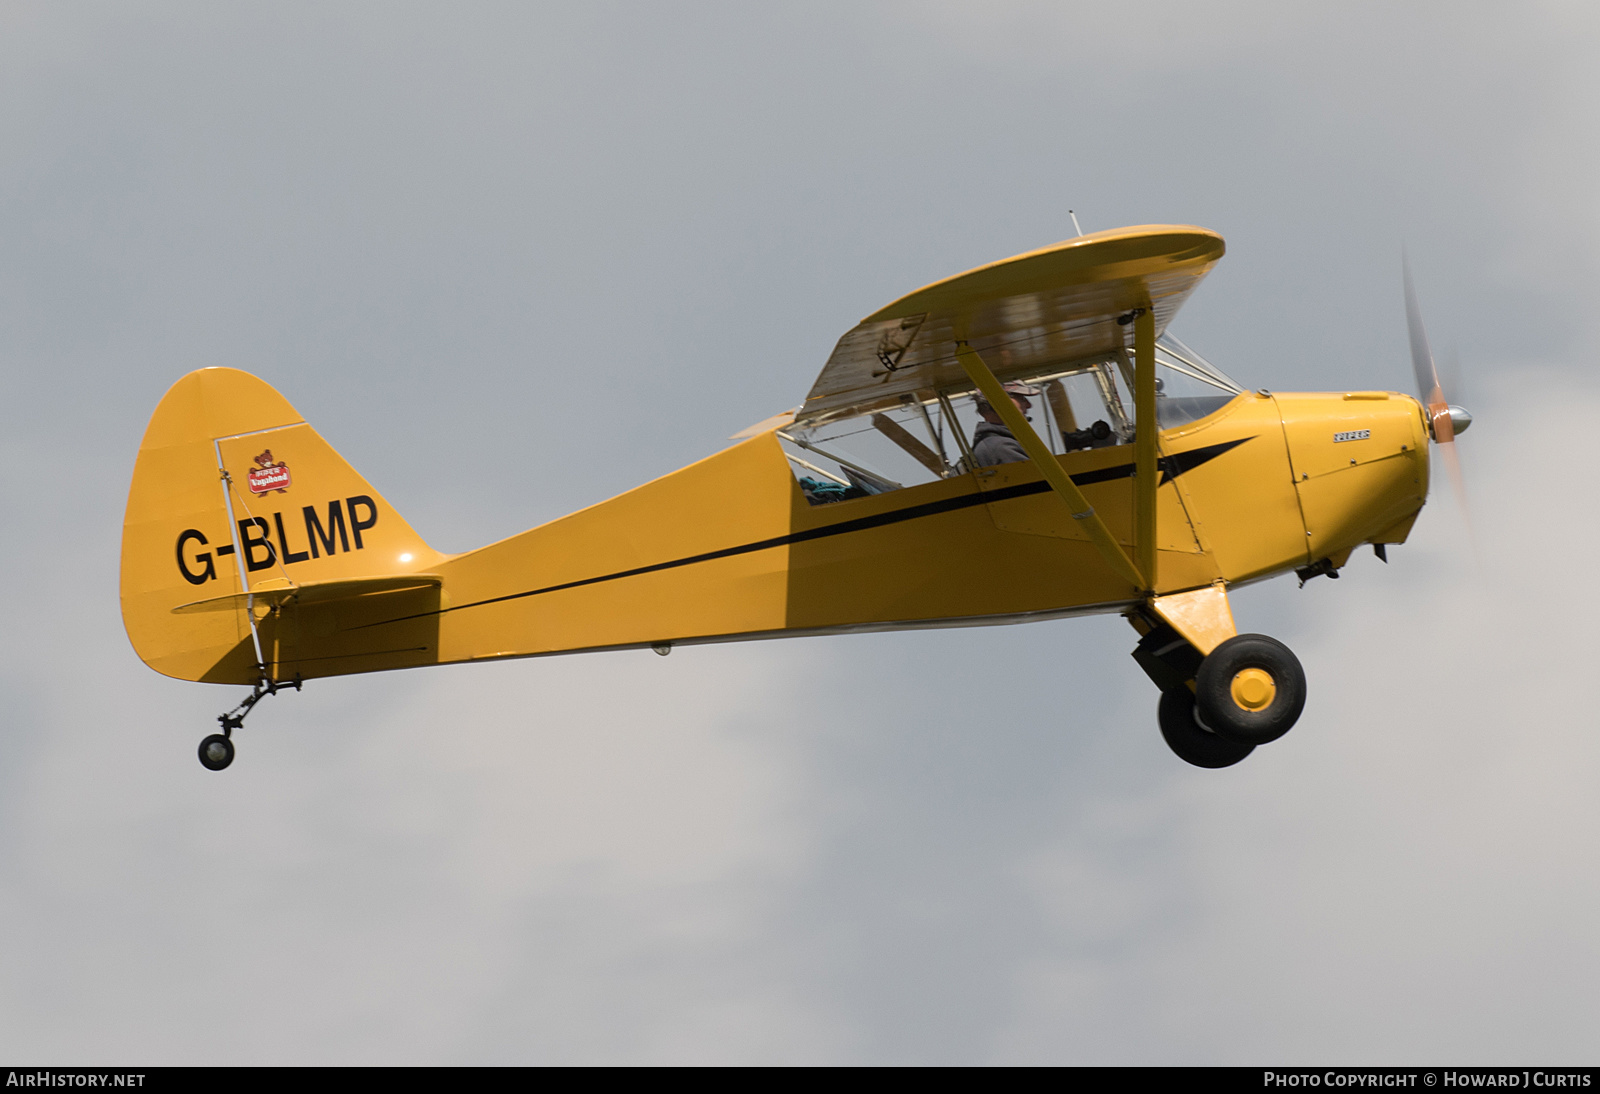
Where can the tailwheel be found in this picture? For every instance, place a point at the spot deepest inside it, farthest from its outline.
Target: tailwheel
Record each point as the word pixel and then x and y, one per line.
pixel 1250 690
pixel 1193 742
pixel 216 752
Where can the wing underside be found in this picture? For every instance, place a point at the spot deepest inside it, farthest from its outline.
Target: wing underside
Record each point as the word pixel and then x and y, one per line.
pixel 1062 304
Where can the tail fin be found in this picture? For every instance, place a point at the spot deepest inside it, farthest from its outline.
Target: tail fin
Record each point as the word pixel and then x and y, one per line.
pixel 248 538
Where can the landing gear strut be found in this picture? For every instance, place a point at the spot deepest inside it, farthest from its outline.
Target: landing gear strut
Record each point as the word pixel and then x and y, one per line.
pixel 216 751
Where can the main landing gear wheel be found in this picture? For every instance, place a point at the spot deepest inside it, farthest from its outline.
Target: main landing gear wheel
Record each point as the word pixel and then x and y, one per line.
pixel 1193 742
pixel 1250 689
pixel 216 752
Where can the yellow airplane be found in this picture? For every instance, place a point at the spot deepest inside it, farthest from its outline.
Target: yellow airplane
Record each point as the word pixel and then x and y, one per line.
pixel 1022 441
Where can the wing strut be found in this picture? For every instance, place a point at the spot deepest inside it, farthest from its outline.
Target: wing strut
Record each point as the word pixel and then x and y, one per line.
pixel 1045 461
pixel 1144 443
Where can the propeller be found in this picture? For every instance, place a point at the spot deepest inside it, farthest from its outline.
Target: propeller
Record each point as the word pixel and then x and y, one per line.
pixel 1444 419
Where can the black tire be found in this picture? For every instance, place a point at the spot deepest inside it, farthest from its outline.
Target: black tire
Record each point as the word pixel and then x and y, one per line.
pixel 1191 741
pixel 216 752
pixel 1216 696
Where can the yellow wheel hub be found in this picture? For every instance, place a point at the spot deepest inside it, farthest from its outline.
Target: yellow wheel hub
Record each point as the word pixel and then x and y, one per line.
pixel 1253 689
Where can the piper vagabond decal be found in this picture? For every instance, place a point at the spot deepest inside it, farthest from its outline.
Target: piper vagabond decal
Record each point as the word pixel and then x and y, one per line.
pixel 1023 441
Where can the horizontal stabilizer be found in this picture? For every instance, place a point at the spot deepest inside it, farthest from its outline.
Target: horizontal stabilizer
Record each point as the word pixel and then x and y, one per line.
pixel 312 592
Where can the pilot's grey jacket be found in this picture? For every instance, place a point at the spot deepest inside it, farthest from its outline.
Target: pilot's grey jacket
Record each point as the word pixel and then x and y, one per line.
pixel 992 444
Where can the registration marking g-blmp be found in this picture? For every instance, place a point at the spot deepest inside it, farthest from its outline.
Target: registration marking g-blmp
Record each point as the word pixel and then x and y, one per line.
pixel 1352 435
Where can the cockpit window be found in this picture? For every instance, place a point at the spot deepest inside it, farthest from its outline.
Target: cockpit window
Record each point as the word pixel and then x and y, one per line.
pixel 871 454
pixel 1089 405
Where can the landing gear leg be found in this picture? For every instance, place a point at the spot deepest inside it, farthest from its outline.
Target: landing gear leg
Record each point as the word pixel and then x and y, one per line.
pixel 216 751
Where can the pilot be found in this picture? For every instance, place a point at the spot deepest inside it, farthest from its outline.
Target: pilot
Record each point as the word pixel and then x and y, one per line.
pixel 992 442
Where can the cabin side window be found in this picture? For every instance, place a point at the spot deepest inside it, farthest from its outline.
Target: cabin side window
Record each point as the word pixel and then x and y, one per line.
pixel 873 453
pixel 923 441
pixel 1085 406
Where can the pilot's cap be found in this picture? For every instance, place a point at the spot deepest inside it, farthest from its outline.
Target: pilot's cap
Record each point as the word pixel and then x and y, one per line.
pixel 1013 388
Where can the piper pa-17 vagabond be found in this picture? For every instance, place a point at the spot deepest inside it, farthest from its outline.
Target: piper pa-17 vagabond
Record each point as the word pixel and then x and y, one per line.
pixel 1020 442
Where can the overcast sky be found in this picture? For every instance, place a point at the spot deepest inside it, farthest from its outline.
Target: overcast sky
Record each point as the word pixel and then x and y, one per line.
pixel 511 259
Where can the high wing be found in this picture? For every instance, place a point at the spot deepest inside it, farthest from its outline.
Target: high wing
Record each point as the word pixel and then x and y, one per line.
pixel 1054 306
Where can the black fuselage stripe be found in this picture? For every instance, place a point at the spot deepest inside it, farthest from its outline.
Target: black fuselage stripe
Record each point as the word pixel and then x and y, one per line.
pixel 1171 467
pixel 860 524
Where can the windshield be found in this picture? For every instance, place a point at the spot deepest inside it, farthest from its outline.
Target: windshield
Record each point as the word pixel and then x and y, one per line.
pixel 1187 385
